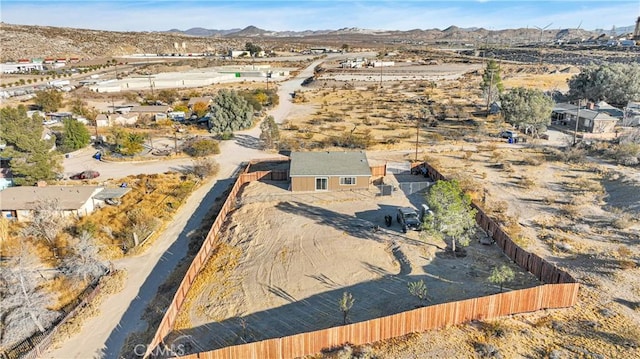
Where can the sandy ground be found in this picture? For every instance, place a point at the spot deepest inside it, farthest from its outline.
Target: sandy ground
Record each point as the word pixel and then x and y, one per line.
pixel 300 252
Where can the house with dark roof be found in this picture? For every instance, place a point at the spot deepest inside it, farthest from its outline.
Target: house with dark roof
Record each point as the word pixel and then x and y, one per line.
pixel 589 121
pixel 329 171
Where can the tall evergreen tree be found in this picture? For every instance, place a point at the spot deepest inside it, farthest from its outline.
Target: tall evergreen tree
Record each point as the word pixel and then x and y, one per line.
pixel 76 135
pixel 529 109
pixel 230 112
pixel 31 157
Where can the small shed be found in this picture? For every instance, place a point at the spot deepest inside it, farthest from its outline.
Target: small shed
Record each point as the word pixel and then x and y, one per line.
pixel 329 171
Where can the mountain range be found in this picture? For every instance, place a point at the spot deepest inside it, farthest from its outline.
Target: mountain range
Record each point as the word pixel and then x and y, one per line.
pixel 29 41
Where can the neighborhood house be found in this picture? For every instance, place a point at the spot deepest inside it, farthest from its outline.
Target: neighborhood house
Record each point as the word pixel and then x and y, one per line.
pixel 329 171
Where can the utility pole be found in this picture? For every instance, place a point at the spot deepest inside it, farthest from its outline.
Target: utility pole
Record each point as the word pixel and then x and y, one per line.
pixel 175 140
pixel 490 94
pixel 417 136
pixel 268 76
pixel 575 132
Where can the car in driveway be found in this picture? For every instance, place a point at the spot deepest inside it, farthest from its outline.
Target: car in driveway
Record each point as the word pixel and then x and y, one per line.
pixel 408 219
pixel 85 175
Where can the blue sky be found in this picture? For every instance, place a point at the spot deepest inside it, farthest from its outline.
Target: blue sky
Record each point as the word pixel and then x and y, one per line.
pixel 134 15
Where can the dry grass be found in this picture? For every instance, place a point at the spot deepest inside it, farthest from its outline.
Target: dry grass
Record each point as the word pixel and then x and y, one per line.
pixel 153 198
pixel 109 285
pixel 215 281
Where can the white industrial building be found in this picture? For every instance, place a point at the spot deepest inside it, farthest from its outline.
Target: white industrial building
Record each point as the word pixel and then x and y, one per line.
pixel 189 79
pixel 20 67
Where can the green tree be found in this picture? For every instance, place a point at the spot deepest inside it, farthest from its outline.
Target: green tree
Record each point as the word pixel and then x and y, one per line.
pixel 48 100
pixel 527 109
pixel 269 135
pixel 501 275
pixel 230 112
pixel 615 83
pixel 132 143
pixel 76 135
pixel 419 290
pixel 345 303
pixel 452 215
pixel 491 84
pixel 31 157
pixel 252 48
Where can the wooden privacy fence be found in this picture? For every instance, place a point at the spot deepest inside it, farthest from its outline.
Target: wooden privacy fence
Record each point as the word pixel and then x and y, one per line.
pixel 417 320
pixel 560 292
pixel 166 325
pixel 543 270
pixel 34 346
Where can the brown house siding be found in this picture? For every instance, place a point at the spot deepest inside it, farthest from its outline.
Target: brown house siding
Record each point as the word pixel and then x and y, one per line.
pixel 309 183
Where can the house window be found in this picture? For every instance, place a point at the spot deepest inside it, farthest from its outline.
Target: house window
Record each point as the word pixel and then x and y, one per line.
pixel 322 183
pixel 347 181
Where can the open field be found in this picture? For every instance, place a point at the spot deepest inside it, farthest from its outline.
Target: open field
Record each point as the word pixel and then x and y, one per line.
pixel 283 272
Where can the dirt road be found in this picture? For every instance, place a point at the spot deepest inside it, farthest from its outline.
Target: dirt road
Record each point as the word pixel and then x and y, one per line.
pixel 120 314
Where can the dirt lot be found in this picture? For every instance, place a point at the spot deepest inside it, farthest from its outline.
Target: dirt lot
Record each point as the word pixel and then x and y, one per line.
pixel 582 216
pixel 284 271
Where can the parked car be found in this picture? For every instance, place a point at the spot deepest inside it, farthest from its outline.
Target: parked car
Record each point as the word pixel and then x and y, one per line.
pixel 508 134
pixel 408 219
pixel 85 175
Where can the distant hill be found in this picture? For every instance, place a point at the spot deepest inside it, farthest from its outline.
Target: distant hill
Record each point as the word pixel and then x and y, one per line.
pixel 27 41
pixel 200 31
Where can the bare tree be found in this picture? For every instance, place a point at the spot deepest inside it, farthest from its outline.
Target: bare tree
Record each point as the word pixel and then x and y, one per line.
pixel 24 303
pixel 346 302
pixel 85 261
pixel 46 221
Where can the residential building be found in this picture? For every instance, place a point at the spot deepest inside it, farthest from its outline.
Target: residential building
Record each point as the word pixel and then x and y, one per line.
pixel 589 121
pixel 329 171
pixel 19 202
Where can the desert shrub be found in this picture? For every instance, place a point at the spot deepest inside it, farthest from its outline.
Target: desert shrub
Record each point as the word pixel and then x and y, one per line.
pixel 575 155
pixel 486 350
pixel 527 182
pixel 204 167
pixel 434 137
pixel 496 329
pixel 522 241
pixel 392 126
pixel 627 154
pixel 623 220
pixel 533 160
pixel 225 136
pixel 571 210
pixel 202 147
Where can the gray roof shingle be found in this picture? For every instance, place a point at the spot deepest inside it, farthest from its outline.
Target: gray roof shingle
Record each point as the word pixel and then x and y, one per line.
pixel 348 163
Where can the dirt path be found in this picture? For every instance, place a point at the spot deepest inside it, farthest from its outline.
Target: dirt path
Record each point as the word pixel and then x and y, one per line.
pixel 104 335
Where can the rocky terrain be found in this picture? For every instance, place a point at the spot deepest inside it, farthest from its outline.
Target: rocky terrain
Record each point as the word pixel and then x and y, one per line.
pixel 25 41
